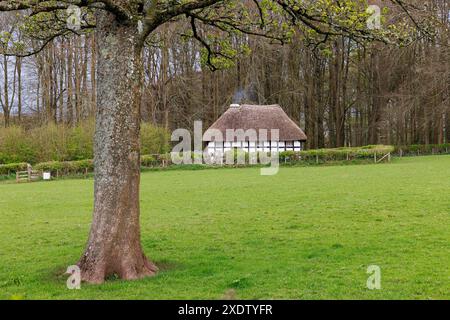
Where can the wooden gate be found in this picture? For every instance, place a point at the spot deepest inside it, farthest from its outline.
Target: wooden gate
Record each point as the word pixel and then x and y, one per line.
pixel 28 176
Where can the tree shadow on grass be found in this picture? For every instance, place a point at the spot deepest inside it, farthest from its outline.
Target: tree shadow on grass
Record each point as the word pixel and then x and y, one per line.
pixel 167 265
pixel 59 275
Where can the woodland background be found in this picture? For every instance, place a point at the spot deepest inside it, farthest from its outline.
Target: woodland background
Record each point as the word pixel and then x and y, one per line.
pixel 341 92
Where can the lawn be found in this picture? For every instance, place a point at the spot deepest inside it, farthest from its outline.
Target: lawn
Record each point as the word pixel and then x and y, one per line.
pixel 306 233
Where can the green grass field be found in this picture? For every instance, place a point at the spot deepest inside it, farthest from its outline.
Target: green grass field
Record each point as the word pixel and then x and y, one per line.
pixel 306 233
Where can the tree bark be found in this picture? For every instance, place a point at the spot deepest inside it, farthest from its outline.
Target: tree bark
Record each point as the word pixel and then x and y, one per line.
pixel 114 246
pixel 374 112
pixel 77 71
pixel 5 102
pixel 19 89
pixel 69 72
pixel 93 76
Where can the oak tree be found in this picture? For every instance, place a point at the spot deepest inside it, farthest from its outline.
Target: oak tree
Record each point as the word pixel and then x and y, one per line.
pixel 122 29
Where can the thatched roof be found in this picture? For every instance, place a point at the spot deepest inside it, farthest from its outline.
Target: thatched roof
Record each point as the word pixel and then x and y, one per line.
pixel 259 117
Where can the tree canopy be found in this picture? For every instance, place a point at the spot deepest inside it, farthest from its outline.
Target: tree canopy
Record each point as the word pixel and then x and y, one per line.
pixel 214 22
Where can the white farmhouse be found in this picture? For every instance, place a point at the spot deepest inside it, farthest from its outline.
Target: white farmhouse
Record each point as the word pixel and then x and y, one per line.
pixel 259 119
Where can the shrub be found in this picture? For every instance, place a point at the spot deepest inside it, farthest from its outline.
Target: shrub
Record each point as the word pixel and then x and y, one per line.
pixel 50 142
pixel 236 154
pixel 154 140
pixel 7 169
pixel 51 166
pixel 64 143
pixel 66 167
pixel 178 157
pixel 423 149
pixel 84 164
pixel 148 161
pixel 165 156
pixel 337 154
pixel 80 142
pixel 287 155
pixel 16 146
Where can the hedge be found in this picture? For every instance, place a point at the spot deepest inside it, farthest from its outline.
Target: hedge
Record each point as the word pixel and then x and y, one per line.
pixel 422 149
pixel 74 167
pixel 163 160
pixel 319 155
pixel 7 169
pixel 338 154
pixel 66 167
pixel 149 161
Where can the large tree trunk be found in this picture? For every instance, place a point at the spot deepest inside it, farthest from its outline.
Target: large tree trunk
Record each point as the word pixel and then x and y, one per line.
pixel 114 245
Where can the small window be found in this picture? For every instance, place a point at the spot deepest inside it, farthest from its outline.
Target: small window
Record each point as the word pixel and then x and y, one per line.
pixel 219 144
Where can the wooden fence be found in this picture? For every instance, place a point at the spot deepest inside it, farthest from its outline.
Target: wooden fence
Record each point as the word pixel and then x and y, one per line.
pixel 386 157
pixel 28 176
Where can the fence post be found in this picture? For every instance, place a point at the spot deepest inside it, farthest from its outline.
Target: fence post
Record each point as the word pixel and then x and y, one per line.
pixel 375 157
pixel 29 169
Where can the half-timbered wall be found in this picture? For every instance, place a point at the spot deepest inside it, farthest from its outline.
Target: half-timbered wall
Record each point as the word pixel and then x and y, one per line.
pixel 266 146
